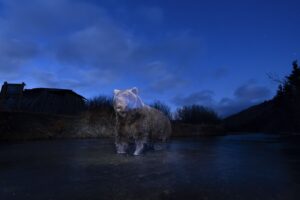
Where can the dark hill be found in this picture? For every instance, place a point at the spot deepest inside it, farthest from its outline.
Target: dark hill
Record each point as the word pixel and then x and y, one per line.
pixel 263 117
pixel 279 115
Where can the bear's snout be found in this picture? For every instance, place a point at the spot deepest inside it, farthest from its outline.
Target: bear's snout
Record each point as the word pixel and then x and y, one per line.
pixel 119 108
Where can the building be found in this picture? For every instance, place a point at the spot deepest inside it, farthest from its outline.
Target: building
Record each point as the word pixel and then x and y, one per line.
pixel 14 97
pixel 11 96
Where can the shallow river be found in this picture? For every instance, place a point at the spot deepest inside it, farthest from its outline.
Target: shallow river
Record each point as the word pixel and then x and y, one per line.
pixel 226 167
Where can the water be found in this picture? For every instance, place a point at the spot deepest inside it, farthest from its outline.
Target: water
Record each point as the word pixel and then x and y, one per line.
pixel 227 167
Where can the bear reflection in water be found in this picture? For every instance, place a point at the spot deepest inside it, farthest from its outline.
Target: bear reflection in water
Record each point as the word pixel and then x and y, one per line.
pixel 138 122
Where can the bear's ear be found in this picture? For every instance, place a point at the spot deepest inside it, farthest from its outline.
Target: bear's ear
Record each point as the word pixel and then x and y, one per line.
pixel 134 90
pixel 116 91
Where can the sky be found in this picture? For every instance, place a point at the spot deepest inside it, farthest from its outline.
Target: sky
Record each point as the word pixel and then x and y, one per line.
pixel 213 53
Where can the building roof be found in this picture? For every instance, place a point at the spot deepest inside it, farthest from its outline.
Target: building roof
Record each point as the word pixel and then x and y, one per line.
pixel 51 90
pixel 15 84
pixel 14 88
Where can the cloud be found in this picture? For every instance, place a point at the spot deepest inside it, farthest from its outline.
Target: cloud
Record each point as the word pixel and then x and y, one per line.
pixel 204 97
pixel 252 92
pixel 153 14
pixel 13 54
pixel 183 47
pixel 161 78
pixel 79 44
pixel 245 96
pixel 228 106
pixel 167 83
pixel 78 79
pixel 44 18
pixel 220 73
pixel 27 29
pixel 101 45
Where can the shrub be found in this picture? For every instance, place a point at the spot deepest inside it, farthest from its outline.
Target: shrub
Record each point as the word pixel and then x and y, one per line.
pixel 196 114
pixel 100 103
pixel 162 107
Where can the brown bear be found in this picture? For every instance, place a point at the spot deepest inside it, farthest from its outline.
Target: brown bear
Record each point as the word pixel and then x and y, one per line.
pixel 137 122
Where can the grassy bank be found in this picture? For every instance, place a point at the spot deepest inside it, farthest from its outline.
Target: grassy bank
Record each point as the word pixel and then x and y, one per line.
pixel 24 126
pixel 30 126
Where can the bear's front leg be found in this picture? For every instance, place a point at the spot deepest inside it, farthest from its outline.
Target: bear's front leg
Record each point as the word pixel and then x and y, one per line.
pixel 139 146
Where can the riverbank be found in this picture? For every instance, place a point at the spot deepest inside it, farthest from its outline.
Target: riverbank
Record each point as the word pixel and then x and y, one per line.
pixel 36 126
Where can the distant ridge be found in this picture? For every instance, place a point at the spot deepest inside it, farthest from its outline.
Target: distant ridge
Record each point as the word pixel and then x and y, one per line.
pixel 259 117
pixel 278 115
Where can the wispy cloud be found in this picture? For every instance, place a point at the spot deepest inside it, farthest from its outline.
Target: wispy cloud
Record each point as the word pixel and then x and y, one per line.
pixel 85 41
pixel 204 97
pixel 152 14
pixel 252 92
pixel 245 96
pixel 220 72
pixel 86 46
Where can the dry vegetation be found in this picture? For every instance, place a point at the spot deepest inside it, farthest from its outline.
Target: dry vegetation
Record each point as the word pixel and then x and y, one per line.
pixel 23 126
pixel 98 120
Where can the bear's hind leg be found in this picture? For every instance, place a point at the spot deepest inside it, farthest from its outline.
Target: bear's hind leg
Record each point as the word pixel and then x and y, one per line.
pixel 121 147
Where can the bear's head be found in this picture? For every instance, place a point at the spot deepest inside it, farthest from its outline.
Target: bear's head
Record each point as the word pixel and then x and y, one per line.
pixel 126 100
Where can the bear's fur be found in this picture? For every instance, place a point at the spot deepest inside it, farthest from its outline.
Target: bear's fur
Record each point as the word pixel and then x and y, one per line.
pixel 138 122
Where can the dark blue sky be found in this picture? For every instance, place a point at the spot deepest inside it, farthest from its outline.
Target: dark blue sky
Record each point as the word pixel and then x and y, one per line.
pixel 214 53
